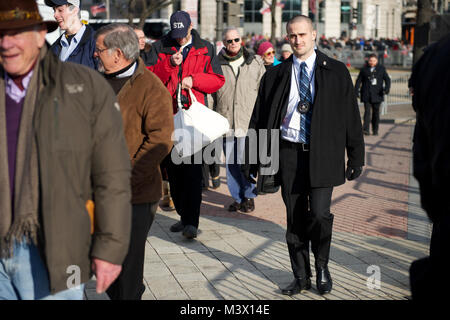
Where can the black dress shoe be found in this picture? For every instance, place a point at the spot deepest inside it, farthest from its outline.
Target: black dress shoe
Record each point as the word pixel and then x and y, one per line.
pixel 323 280
pixel 248 205
pixel 177 227
pixel 297 286
pixel 366 133
pixel 235 206
pixel 190 232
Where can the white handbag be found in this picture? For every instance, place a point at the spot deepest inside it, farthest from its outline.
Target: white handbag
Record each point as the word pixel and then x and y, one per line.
pixel 196 127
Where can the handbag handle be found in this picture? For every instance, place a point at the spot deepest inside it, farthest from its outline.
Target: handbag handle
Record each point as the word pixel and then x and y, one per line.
pixel 179 105
pixel 193 98
pixel 191 94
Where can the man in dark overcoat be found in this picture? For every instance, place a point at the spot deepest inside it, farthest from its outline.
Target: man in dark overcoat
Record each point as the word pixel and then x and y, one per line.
pixel 370 79
pixel 430 81
pixel 310 101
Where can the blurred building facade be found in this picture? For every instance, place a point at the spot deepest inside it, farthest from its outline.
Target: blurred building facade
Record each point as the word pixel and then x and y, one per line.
pixel 333 18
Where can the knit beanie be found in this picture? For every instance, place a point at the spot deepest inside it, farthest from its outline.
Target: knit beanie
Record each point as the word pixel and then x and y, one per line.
pixel 263 47
pixel 286 47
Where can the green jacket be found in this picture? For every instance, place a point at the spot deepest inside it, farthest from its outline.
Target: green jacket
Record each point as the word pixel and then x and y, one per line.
pixel 82 155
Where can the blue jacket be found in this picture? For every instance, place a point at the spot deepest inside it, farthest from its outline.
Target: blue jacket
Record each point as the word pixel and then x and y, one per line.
pixel 84 52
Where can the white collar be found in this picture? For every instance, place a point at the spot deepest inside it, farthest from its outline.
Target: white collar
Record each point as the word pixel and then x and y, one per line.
pixel 186 44
pixel 309 62
pixel 77 37
pixel 129 72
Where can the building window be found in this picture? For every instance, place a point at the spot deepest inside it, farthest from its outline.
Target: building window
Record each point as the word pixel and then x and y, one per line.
pixel 291 9
pixel 346 11
pixel 251 10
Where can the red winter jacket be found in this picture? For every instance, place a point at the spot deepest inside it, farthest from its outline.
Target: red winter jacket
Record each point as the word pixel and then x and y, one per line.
pixel 200 63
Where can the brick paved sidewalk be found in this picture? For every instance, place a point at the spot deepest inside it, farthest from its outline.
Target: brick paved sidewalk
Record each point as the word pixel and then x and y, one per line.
pixel 379 226
pixel 377 203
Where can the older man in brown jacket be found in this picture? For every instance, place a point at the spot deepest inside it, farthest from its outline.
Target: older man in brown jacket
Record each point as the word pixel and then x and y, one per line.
pixel 146 108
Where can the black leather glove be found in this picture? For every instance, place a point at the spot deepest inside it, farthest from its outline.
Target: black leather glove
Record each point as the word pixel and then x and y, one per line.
pixel 353 173
pixel 248 171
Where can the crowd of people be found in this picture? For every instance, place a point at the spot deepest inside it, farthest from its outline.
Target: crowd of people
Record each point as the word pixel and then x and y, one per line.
pixel 383 47
pixel 88 125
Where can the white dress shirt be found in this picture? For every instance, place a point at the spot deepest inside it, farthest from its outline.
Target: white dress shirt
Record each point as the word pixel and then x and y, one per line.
pixel 66 48
pixel 290 129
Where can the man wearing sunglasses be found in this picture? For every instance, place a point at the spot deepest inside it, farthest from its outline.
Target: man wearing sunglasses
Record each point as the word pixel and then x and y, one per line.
pixel 235 101
pixel 311 100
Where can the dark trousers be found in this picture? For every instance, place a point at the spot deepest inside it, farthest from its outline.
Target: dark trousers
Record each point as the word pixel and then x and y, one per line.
pixel 371 114
pixel 208 170
pixel 186 190
pixel 308 211
pixel 129 284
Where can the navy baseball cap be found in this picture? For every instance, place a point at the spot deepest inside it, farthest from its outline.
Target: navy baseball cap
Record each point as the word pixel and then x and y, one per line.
pixel 56 3
pixel 180 22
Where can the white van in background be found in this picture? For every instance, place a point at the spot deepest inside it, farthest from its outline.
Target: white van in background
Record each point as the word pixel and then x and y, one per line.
pixel 47 14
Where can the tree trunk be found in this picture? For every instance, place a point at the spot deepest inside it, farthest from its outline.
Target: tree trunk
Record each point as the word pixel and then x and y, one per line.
pixel 274 23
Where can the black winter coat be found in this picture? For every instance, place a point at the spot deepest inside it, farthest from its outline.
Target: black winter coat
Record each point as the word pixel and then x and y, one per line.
pixel 84 51
pixel 335 126
pixel 431 150
pixel 373 93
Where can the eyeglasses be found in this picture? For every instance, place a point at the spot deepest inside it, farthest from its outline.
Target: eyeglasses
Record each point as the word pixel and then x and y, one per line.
pixel 230 41
pixel 100 50
pixel 270 53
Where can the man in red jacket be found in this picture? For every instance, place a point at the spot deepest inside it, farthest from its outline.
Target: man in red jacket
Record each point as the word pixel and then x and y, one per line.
pixel 183 57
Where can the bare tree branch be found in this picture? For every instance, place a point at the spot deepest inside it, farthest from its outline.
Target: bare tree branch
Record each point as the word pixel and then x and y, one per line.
pixel 142 9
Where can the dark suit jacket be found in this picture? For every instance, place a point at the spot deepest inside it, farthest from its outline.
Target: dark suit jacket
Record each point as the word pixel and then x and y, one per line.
pixel 336 122
pixel 373 93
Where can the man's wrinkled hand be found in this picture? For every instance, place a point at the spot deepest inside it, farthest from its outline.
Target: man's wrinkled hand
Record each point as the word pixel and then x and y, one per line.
pixel 105 272
pixel 187 83
pixel 177 58
pixel 353 173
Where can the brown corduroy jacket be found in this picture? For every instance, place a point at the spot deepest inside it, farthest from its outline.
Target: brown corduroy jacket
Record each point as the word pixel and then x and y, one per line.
pixel 146 108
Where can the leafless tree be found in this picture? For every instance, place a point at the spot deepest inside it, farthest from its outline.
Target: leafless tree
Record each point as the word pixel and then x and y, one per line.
pixel 141 9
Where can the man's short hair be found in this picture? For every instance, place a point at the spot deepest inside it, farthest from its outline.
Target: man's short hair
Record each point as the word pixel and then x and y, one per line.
pixel 228 29
pixel 372 55
pixel 298 18
pixel 120 36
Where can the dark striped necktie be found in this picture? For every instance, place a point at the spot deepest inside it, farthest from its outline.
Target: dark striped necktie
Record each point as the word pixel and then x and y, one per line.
pixel 305 95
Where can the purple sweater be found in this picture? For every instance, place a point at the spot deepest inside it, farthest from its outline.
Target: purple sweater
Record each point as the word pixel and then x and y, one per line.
pixel 13 112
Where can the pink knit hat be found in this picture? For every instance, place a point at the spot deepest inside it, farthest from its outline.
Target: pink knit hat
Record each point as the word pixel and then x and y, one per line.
pixel 263 47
